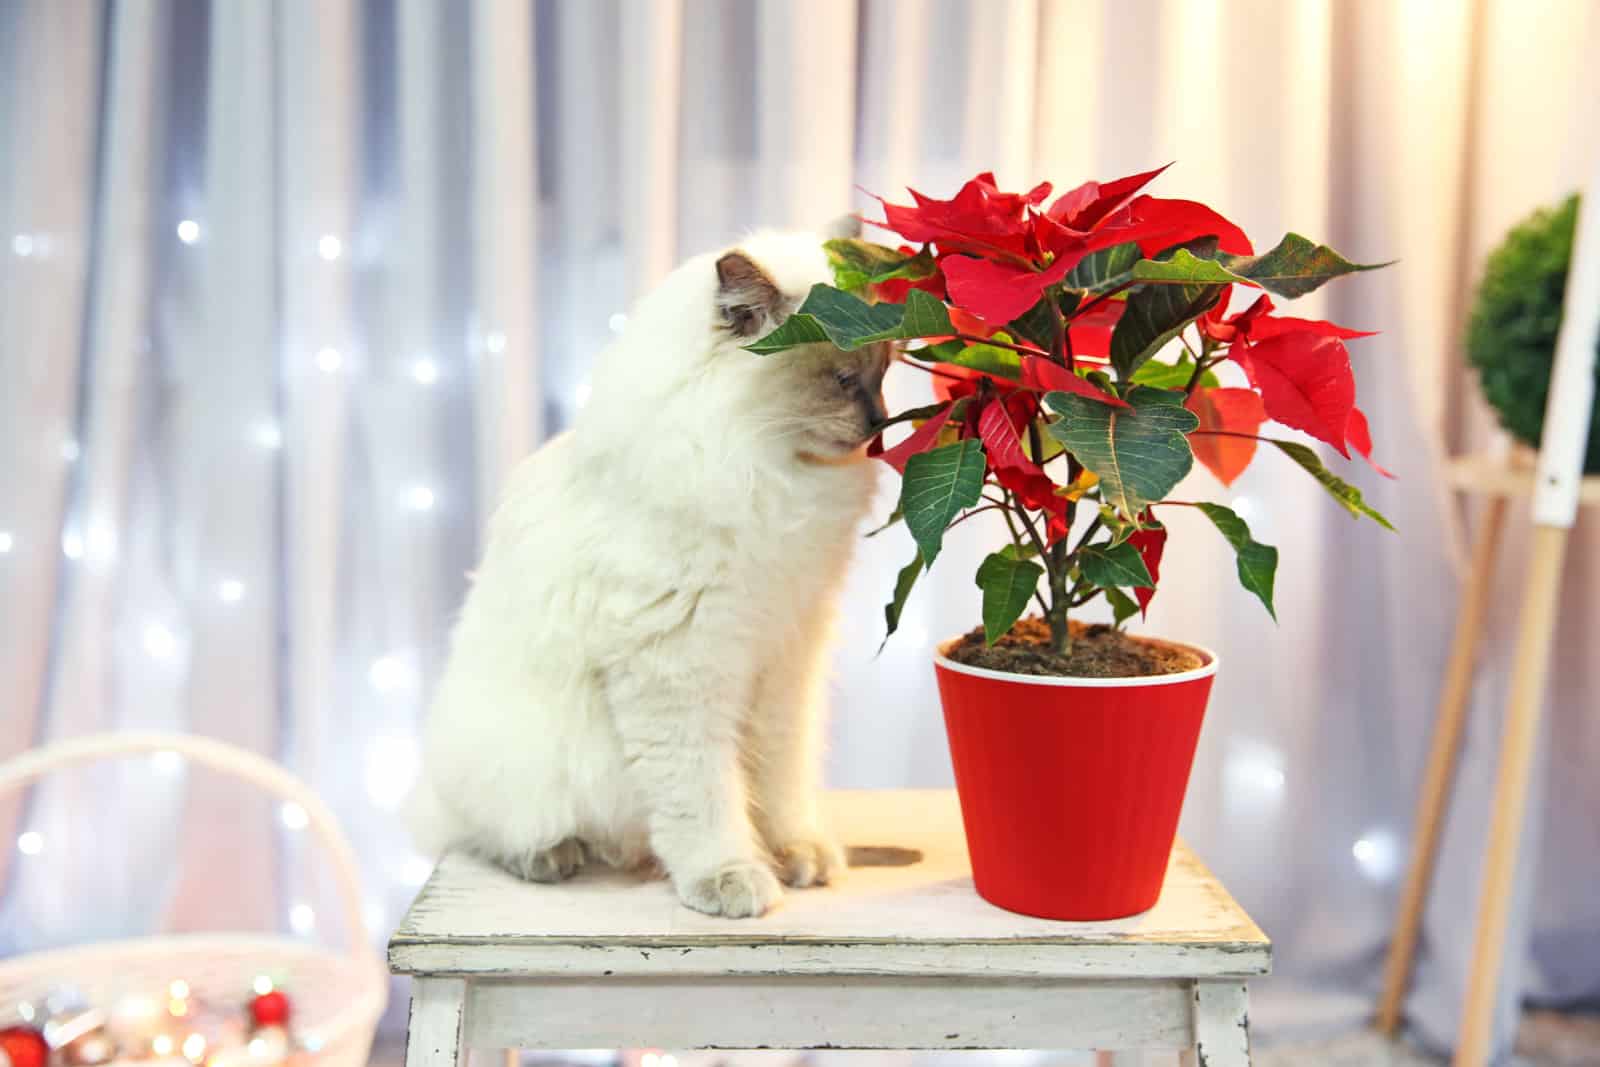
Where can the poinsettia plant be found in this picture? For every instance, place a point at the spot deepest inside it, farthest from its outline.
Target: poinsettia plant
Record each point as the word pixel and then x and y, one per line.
pixel 1075 350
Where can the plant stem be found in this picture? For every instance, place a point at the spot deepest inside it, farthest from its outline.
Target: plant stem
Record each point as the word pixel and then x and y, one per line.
pixel 1228 433
pixel 1202 363
pixel 935 371
pixel 1027 524
pixel 1084 309
pixel 1063 346
pixel 1016 539
pixel 1093 526
pixel 1027 350
pixel 926 412
pixel 1056 613
pixel 976 511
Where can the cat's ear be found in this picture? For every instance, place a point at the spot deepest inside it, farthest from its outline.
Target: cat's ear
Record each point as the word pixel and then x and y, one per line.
pixel 747 299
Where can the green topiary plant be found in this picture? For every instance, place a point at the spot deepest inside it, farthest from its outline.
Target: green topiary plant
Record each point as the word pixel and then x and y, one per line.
pixel 1511 336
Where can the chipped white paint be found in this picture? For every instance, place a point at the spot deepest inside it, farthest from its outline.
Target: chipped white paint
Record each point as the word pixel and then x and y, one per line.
pixel 812 1012
pixel 437 1034
pixel 901 954
pixel 1221 1024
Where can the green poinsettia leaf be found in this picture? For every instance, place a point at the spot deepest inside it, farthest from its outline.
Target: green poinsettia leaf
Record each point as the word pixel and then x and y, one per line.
pixel 902 589
pixel 938 485
pixel 1154 316
pixel 1008 582
pixel 990 359
pixel 893 520
pixel 1257 563
pixel 1104 269
pixel 1123 606
pixel 1037 325
pixel 848 322
pixel 1348 496
pixel 1294 267
pixel 1173 375
pixel 925 316
pixel 1183 267
pixel 1109 566
pixel 1138 454
pixel 856 263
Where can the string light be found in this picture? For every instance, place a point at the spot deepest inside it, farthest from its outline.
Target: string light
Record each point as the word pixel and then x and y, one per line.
pixel 267 435
pixel 495 341
pixel 329 247
pixel 1378 854
pixel 194 1048
pixel 618 322
pixel 230 590
pixel 302 920
pixel 100 542
pixel 420 498
pixel 22 244
pixel 262 985
pixel 389 674
pixel 188 231
pixel 30 843
pixel 1254 768
pixel 293 816
pixel 178 990
pixel 425 371
pixel 7 542
pixel 161 1045
pixel 72 544
pixel 329 359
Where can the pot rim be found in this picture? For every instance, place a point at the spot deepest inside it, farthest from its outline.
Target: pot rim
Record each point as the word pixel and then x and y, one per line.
pixel 1205 670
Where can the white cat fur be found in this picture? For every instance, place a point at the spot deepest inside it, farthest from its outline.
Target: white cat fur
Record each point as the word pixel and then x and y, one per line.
pixel 638 670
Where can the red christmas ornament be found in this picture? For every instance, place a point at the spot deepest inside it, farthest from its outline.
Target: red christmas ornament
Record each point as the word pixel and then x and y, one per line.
pixel 270 1009
pixel 23 1046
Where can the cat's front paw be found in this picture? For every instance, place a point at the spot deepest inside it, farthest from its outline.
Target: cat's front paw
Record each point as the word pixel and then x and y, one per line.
pixel 808 861
pixel 738 890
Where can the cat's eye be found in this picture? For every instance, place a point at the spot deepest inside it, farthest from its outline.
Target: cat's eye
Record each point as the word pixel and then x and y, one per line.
pixel 847 377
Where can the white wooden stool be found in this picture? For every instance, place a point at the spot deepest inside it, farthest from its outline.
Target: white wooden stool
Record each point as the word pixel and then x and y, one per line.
pixel 900 954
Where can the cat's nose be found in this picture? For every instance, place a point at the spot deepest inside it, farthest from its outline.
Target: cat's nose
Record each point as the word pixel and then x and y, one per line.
pixel 876 413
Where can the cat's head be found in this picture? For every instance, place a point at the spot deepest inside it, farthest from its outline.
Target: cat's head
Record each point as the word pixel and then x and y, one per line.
pixel 820 402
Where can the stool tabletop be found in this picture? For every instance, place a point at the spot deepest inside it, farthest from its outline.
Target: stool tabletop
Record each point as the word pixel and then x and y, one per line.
pixel 906 907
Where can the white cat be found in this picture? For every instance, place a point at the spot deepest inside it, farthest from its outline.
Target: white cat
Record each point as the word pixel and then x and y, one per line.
pixel 638 671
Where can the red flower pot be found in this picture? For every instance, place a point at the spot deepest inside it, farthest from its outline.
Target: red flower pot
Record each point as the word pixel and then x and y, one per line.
pixel 1071 787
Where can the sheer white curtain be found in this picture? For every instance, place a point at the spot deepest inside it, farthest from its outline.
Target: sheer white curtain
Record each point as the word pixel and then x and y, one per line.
pixel 287 286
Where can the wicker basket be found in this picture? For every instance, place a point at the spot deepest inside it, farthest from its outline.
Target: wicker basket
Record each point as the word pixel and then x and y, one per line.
pixel 338 996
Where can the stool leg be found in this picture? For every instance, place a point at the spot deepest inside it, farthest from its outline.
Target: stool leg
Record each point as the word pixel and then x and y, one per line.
pixel 1523 714
pixel 437 1034
pixel 1221 1023
pixel 1435 794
